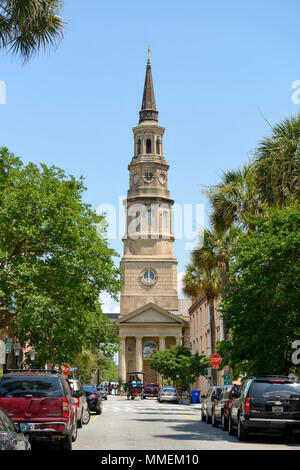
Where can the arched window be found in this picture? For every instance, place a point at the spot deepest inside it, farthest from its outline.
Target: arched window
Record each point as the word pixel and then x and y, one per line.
pixel 148 146
pixel 139 147
pixel 149 348
pixel 158 146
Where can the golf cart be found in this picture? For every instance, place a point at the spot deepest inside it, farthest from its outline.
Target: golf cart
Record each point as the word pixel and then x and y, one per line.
pixel 135 385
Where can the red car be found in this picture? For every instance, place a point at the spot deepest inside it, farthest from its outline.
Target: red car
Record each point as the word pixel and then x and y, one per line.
pixel 220 409
pixel 41 405
pixel 151 390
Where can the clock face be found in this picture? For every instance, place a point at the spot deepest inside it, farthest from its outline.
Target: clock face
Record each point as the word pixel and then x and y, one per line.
pixel 148 177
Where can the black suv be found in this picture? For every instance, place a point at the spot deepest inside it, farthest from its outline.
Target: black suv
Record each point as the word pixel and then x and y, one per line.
pixel 93 398
pixel 266 404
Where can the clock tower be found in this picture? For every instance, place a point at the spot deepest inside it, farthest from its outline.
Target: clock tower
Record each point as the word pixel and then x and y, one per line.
pixel 149 267
pixel 150 317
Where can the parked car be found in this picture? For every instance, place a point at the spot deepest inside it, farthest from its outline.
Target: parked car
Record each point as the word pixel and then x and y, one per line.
pixel 10 438
pixel 168 394
pixel 93 399
pixel 41 405
pixel 81 401
pixel 220 408
pixel 103 392
pixel 266 404
pixel 150 390
pixel 207 403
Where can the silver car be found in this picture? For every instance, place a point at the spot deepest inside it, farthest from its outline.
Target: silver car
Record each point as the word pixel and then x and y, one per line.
pixel 168 394
pixel 81 401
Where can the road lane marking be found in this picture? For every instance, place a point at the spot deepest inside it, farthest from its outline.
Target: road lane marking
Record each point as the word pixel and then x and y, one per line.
pixel 190 417
pixel 94 419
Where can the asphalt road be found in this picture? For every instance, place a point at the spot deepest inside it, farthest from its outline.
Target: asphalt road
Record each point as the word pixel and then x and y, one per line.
pixel 149 425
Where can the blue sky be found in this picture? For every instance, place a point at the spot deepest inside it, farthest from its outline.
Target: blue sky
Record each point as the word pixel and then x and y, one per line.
pixel 217 67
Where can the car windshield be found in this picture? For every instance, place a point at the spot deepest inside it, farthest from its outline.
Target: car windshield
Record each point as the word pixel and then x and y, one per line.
pixel 26 386
pixel 275 389
pixel 89 389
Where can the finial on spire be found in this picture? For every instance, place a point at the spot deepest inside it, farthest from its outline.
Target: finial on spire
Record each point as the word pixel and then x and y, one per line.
pixel 149 53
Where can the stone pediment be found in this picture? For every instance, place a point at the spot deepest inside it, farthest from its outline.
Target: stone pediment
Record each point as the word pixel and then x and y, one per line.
pixel 151 314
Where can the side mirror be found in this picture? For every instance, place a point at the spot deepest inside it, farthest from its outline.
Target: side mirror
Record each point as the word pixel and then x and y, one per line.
pixel 203 396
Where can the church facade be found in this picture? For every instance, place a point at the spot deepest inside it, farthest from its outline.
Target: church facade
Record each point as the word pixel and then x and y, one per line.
pixel 151 315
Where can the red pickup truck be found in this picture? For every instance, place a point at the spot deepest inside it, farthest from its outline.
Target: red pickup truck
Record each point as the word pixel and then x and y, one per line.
pixel 41 405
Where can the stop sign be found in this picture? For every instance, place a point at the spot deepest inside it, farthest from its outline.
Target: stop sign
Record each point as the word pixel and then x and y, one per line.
pixel 66 369
pixel 215 360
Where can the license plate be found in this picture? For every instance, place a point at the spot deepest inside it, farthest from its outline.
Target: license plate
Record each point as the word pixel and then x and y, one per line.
pixel 277 409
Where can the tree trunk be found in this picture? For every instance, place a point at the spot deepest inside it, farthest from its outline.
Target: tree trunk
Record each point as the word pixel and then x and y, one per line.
pixel 212 322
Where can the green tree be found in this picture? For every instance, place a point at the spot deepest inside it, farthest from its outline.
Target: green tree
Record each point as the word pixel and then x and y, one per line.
pixel 53 264
pixel 262 303
pixel 179 364
pixel 234 198
pixel 277 163
pixel 26 26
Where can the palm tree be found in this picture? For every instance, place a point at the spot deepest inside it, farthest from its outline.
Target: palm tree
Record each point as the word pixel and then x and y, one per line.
pixel 26 26
pixel 277 163
pixel 235 198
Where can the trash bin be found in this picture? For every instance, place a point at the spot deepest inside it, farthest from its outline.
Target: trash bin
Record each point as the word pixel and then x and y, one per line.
pixel 195 395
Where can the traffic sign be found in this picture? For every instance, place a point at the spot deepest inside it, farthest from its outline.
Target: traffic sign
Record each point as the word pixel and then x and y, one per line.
pixel 226 379
pixel 215 360
pixel 66 369
pixel 8 345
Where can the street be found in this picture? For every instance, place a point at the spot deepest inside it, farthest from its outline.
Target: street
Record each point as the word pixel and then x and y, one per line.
pixel 149 425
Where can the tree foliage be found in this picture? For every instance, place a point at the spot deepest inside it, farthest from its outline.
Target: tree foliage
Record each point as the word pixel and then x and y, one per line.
pixel 179 364
pixel 26 26
pixel 53 265
pixel 262 305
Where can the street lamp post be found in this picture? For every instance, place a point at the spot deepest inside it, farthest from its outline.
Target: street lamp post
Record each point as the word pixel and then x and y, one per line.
pixel 32 355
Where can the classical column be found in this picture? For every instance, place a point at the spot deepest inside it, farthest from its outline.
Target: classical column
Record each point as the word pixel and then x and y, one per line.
pixel 122 359
pixel 162 347
pixel 139 353
pixel 162 343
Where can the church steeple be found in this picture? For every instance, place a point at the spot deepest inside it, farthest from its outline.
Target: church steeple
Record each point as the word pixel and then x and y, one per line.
pixel 148 110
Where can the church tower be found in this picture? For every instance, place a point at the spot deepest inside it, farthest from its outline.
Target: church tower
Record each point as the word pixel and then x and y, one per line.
pixel 149 318
pixel 149 267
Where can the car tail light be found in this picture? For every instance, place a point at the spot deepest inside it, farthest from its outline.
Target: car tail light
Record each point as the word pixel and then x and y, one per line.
pixel 94 396
pixel 213 399
pixel 77 401
pixel 65 408
pixel 162 394
pixel 247 406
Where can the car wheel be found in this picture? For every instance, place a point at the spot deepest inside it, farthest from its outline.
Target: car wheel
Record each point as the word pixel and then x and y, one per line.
pixel 224 422
pixel 80 422
pixel 243 434
pixel 207 417
pixel 230 427
pixel 66 442
pixel 86 416
pixel 202 417
pixel 214 422
pixel 74 431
